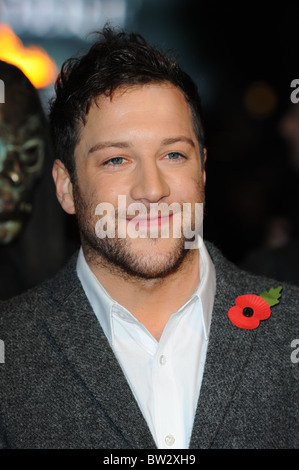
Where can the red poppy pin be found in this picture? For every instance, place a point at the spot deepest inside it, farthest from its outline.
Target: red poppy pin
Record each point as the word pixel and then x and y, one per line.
pixel 250 309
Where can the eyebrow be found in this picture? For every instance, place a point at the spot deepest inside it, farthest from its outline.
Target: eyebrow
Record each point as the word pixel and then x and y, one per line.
pixel 104 145
pixel 180 138
pixel 166 141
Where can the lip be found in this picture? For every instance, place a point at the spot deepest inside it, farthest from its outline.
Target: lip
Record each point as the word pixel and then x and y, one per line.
pixel 150 221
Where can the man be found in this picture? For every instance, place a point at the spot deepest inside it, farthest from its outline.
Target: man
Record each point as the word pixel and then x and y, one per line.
pixel 138 343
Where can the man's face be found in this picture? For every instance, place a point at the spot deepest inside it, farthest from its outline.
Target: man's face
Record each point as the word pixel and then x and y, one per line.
pixel 140 144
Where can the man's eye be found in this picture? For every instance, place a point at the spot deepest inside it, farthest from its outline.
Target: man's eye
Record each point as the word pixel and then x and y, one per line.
pixel 175 156
pixel 115 161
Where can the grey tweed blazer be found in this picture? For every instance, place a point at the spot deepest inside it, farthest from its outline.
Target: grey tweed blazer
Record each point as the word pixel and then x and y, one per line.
pixel 61 385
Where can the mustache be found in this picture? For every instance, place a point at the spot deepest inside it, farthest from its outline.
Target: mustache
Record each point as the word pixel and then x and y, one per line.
pixel 154 211
pixel 140 210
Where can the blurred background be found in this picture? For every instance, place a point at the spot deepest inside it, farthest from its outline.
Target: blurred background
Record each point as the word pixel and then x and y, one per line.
pixel 243 60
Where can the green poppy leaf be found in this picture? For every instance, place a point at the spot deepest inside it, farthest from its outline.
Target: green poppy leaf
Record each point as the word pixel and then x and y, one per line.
pixel 272 296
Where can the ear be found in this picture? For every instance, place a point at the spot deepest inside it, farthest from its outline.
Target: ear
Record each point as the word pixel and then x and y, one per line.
pixel 204 176
pixel 64 187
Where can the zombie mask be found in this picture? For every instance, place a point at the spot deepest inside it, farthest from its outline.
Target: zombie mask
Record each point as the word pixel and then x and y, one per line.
pixel 20 166
pixel 21 156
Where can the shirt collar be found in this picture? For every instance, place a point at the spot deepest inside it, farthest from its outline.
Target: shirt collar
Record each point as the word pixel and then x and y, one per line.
pixel 102 302
pixel 206 287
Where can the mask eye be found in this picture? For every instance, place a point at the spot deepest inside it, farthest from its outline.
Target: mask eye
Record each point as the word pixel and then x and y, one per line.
pixel 31 155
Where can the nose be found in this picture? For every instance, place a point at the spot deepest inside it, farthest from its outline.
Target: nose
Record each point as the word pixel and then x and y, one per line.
pixel 12 169
pixel 150 184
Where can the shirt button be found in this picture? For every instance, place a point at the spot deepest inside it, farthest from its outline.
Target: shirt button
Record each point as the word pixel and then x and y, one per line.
pixel 122 315
pixel 169 440
pixel 162 360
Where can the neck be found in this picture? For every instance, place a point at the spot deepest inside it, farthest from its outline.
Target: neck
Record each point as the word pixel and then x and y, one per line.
pixel 151 301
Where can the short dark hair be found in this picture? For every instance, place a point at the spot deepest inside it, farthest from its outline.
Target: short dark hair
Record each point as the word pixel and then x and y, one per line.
pixel 116 59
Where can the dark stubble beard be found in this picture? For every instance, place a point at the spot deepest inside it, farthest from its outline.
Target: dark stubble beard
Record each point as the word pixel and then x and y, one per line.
pixel 118 253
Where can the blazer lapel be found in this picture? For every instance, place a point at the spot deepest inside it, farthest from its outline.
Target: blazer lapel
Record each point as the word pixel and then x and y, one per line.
pixel 74 332
pixel 228 352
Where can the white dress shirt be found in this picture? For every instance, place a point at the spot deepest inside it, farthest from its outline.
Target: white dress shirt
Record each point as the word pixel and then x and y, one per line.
pixel 165 376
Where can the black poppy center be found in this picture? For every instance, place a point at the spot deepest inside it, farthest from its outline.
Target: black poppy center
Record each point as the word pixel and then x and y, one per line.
pixel 247 312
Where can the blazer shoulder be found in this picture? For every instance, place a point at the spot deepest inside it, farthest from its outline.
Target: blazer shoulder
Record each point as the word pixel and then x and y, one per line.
pixel 229 272
pixel 49 295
